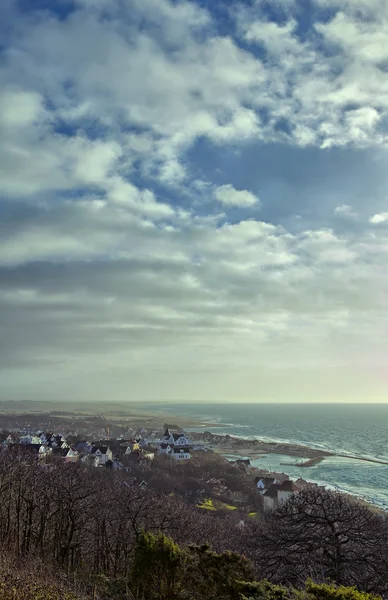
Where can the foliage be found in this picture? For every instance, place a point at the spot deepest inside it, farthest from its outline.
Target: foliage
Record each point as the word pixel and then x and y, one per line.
pixel 215 575
pixel 157 568
pixel 316 591
pixel 326 536
pixel 264 590
pixel 163 571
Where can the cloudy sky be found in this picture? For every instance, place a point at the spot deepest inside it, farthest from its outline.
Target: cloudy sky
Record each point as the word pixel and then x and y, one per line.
pixel 194 200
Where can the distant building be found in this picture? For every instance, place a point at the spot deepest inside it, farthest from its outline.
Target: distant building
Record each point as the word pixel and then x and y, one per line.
pixel 278 493
pixel 176 439
pixel 263 483
pixel 68 455
pixel 176 445
pixel 181 453
pixel 101 454
pixel 84 447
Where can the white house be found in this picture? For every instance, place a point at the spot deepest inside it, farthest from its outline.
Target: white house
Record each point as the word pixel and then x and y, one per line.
pixel 44 451
pixel 178 440
pixel 286 490
pixel 165 448
pixel 101 454
pixel 278 493
pixel 181 453
pixel 174 443
pixel 72 455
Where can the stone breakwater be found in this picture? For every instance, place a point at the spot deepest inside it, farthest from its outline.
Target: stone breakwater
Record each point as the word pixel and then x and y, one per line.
pixel 251 447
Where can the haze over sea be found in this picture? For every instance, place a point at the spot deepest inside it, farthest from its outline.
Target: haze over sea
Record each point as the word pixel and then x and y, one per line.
pixel 354 429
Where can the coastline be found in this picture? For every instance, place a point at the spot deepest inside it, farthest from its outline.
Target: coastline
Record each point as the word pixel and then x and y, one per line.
pixel 254 449
pixel 233 448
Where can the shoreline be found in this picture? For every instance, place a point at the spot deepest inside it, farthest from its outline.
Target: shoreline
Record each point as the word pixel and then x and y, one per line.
pixel 254 449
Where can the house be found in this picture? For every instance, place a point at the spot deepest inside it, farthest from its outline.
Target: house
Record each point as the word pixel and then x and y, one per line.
pixel 44 451
pixel 278 493
pixel 176 439
pixel 30 439
pixel 130 447
pixel 181 453
pixel 57 441
pixel 165 448
pixel 101 454
pixel 69 455
pixel 176 445
pixel 37 450
pixel 84 447
pixel 263 483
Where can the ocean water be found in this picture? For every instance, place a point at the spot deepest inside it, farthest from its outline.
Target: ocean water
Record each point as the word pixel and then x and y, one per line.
pixel 355 429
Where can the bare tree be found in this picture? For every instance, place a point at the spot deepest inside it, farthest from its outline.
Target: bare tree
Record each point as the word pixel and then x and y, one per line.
pixel 324 535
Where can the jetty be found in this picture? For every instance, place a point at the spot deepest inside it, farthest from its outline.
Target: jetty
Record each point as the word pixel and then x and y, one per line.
pixel 378 461
pixel 311 462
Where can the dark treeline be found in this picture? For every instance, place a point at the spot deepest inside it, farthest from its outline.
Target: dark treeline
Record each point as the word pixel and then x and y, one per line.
pixel 89 522
pixel 75 516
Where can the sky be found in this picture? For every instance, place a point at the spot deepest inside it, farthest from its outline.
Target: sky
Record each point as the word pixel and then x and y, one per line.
pixel 194 200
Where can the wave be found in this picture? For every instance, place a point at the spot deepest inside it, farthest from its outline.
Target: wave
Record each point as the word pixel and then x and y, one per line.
pixel 296 442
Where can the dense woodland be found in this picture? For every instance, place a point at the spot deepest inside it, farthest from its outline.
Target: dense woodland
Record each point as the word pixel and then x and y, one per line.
pixel 112 539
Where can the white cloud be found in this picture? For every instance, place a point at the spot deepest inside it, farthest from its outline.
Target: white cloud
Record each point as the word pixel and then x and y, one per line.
pixel 345 210
pixel 206 295
pixel 229 196
pixel 277 39
pixel 19 108
pixel 379 218
pixel 364 40
pixel 104 247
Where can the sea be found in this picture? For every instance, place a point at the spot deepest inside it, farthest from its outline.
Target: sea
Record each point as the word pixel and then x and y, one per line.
pixel 359 430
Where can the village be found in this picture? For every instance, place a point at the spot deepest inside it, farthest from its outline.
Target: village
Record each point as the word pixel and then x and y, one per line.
pixel 163 459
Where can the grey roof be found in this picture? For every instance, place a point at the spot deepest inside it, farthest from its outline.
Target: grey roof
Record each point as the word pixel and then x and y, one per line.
pixel 272 491
pixel 102 449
